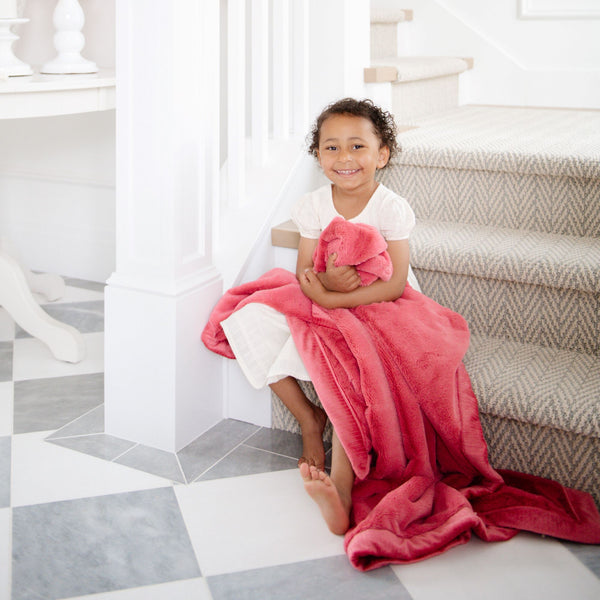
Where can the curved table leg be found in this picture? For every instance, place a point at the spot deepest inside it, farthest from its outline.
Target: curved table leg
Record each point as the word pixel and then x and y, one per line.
pixel 64 341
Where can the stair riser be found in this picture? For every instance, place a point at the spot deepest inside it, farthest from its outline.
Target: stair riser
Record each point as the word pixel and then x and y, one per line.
pixel 415 99
pixel 384 40
pixel 569 458
pixel 557 318
pixel 562 205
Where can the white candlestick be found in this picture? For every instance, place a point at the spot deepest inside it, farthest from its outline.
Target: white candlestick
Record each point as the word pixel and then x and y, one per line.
pixel 10 65
pixel 68 19
pixel 8 9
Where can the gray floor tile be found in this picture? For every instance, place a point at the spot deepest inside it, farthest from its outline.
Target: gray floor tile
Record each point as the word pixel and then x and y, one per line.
pixel 5 452
pixel 91 422
pixel 100 544
pixel 324 579
pixel 151 460
pixel 211 446
pixel 249 461
pixel 95 286
pixel 86 317
pixel 276 440
pixel 42 404
pixel 588 554
pixel 99 445
pixel 282 442
pixel 6 361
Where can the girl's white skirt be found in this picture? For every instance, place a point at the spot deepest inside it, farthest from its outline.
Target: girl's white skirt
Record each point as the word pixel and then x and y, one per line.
pixel 261 340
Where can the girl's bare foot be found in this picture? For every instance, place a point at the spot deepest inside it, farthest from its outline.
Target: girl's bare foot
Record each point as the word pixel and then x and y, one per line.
pixel 313 451
pixel 322 490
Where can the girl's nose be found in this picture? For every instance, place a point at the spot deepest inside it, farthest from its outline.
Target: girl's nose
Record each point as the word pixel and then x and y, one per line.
pixel 344 154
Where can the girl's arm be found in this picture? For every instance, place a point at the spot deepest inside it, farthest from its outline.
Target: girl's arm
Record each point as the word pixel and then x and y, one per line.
pixel 378 291
pixel 335 279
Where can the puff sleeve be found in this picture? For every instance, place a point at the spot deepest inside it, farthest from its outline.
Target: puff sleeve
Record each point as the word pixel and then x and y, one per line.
pixel 306 217
pixel 396 218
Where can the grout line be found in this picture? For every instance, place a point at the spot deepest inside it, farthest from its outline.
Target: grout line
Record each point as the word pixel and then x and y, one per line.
pixel 185 481
pixel 74 421
pixel 242 443
pixel 126 451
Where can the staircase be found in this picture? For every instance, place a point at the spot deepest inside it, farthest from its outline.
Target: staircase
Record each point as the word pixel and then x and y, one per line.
pixel 508 207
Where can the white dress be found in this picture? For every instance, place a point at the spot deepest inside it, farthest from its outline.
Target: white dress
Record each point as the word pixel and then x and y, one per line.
pixel 259 335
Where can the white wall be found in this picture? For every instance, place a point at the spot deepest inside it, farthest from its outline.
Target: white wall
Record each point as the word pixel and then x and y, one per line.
pixel 535 61
pixel 57 174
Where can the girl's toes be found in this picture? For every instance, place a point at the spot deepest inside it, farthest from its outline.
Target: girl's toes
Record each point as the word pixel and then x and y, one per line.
pixel 305 472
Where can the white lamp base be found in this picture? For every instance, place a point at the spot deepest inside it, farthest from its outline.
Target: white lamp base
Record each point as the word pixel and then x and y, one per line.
pixel 10 65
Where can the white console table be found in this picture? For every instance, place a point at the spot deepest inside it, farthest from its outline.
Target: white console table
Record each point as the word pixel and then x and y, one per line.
pixel 45 96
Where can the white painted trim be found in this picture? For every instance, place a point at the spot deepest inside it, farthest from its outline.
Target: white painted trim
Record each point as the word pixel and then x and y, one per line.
pixel 54 177
pixel 542 9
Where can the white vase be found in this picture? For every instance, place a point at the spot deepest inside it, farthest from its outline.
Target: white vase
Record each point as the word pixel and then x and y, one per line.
pixel 68 19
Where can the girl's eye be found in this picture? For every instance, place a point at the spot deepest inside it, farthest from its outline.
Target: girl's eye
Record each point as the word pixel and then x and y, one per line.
pixel 357 146
pixel 332 148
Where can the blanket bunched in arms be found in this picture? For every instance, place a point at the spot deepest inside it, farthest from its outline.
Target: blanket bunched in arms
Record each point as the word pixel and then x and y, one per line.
pixel 391 379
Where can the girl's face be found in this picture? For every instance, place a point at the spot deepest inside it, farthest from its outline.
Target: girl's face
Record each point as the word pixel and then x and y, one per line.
pixel 350 153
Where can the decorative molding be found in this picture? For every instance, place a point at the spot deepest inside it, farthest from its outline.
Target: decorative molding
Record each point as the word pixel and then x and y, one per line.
pixel 558 9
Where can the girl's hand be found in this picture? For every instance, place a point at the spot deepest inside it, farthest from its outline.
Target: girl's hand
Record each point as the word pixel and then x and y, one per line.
pixel 313 288
pixel 339 279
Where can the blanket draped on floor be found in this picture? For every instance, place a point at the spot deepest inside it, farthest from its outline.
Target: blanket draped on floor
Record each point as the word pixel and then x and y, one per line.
pixel 391 379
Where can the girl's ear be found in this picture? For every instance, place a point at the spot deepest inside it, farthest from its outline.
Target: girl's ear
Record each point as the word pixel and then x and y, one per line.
pixel 384 156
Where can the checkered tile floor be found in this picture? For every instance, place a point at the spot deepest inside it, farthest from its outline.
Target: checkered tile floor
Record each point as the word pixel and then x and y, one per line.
pixel 84 514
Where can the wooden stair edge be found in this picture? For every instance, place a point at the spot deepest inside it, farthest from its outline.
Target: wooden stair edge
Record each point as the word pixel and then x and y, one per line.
pixel 391 16
pixel 285 235
pixel 382 73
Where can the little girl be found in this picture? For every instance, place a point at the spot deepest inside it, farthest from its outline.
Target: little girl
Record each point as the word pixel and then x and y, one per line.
pixel 351 140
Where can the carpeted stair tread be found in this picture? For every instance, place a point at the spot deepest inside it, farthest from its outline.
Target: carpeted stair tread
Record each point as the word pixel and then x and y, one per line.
pixel 416 68
pixel 522 256
pixel 499 138
pixel 536 385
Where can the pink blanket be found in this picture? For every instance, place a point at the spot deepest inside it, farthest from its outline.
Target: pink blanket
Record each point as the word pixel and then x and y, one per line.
pixel 391 379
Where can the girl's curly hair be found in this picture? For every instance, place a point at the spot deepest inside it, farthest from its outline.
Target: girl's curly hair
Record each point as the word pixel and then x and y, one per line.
pixel 383 122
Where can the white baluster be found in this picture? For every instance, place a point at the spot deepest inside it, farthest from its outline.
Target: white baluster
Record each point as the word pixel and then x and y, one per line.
pixel 281 68
pixel 300 67
pixel 260 81
pixel 236 102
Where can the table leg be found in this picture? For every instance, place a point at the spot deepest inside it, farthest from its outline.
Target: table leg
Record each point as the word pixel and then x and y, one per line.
pixel 64 341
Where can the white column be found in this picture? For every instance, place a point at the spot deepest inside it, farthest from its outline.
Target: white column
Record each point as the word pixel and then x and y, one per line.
pixel 163 388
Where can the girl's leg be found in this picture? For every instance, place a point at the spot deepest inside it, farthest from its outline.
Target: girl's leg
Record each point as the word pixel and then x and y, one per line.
pixel 311 418
pixel 332 494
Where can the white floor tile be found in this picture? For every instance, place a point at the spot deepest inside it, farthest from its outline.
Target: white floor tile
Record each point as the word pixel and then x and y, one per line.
pixel 7 326
pixel 33 360
pixel 254 521
pixel 43 472
pixel 196 589
pixel 6 408
pixel 528 567
pixel 5 553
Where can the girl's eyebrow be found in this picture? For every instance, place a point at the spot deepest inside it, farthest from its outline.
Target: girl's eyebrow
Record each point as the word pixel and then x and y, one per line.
pixel 329 140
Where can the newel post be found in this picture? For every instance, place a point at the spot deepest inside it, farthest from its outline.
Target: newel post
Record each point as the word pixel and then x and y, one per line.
pixel 162 388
